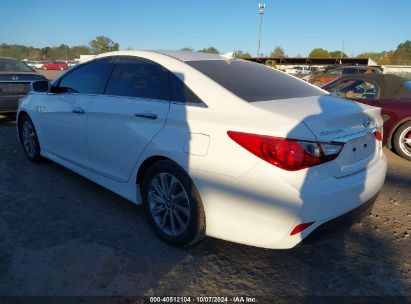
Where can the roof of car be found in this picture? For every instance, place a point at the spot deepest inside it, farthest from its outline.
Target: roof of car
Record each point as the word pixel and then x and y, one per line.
pixel 391 85
pixel 353 67
pixel 190 55
pixel 183 56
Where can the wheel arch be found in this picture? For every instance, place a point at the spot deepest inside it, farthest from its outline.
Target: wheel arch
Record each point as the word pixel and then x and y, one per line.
pixel 390 140
pixel 147 163
pixel 18 120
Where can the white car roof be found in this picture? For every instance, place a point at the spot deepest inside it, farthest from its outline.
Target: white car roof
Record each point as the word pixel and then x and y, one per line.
pixel 190 55
pixel 183 56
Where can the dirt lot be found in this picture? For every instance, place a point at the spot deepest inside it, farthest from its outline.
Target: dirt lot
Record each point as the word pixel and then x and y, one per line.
pixel 50 74
pixel 61 234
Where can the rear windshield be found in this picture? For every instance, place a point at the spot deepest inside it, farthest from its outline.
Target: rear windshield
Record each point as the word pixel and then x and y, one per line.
pixel 254 82
pixel 12 65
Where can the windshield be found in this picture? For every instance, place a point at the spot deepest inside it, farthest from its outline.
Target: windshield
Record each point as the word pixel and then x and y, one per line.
pixel 254 82
pixel 13 65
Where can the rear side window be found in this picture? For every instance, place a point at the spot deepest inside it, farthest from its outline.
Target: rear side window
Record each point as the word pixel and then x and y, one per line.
pixel 355 89
pixel 141 78
pixel 252 81
pixel 13 65
pixel 86 79
pixel 180 92
pixel 336 72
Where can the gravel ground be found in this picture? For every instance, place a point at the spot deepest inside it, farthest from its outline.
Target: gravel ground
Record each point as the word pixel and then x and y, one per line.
pixel 62 235
pixel 50 74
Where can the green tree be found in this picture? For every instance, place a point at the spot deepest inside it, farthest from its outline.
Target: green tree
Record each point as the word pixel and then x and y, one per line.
pixel 103 44
pixel 378 57
pixel 211 50
pixel 15 51
pixel 241 54
pixel 278 52
pixel 387 59
pixel 187 48
pixel 402 55
pixel 319 53
pixel 46 52
pixel 78 50
pixel 338 54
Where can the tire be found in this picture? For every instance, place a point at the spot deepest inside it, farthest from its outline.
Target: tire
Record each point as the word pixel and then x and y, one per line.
pixel 29 139
pixel 402 140
pixel 178 222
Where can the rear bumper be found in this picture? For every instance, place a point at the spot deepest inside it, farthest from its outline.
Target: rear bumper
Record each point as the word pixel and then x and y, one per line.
pixel 344 221
pixel 9 103
pixel 262 207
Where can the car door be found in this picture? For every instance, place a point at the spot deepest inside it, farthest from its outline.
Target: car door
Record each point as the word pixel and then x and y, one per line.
pixel 131 112
pixel 64 112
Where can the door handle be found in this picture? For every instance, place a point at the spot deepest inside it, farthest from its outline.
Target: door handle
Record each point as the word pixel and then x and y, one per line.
pixel 146 115
pixel 78 111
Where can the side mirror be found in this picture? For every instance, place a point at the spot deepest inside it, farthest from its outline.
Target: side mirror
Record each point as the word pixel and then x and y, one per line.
pixel 41 86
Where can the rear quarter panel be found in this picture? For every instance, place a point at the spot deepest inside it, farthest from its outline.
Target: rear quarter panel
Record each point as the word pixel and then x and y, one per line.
pixel 397 112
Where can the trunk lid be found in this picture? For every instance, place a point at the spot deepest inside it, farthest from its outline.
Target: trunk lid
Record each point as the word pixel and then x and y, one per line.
pixel 20 76
pixel 334 119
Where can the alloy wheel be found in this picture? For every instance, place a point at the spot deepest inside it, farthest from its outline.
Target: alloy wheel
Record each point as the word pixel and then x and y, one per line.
pixel 29 138
pixel 405 141
pixel 169 204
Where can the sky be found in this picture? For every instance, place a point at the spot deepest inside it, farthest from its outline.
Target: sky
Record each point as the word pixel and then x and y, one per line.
pixel 296 25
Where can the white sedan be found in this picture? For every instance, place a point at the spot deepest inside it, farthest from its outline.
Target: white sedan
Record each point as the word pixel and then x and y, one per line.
pixel 210 146
pixel 35 64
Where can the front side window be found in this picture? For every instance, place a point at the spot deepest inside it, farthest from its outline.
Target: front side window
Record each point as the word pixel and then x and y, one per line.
pixel 252 81
pixel 86 79
pixel 355 89
pixel 138 78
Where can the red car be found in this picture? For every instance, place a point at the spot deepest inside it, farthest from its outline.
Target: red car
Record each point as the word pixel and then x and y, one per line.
pixel 389 92
pixel 55 66
pixel 322 79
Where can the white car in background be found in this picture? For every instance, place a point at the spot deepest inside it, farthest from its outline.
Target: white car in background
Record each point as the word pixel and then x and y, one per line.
pixel 211 146
pixel 299 70
pixel 35 64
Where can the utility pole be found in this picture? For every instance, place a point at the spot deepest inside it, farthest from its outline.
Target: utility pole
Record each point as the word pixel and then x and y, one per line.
pixel 342 50
pixel 261 9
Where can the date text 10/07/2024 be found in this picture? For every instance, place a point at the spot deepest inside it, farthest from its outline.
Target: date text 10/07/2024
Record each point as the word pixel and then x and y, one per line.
pixel 204 299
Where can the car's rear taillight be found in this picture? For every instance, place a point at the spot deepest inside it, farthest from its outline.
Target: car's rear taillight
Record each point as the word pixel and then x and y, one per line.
pixel 288 154
pixel 378 135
